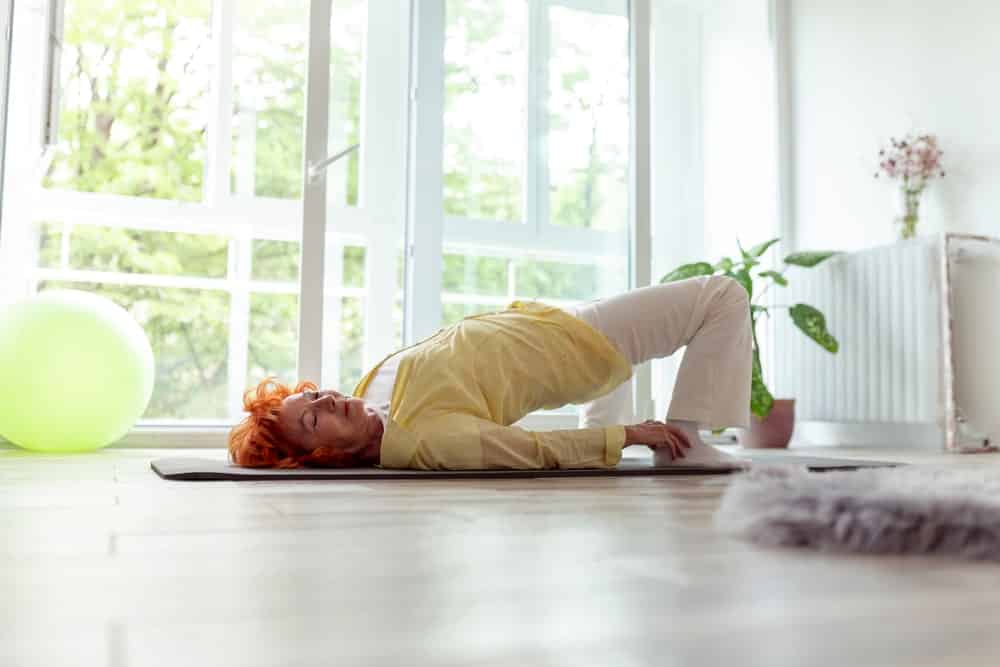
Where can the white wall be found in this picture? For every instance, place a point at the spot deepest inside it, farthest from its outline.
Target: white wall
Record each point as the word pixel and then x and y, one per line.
pixel 740 144
pixel 676 140
pixel 714 131
pixel 714 151
pixel 863 71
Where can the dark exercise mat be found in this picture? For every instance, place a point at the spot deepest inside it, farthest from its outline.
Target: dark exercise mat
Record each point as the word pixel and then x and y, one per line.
pixel 192 469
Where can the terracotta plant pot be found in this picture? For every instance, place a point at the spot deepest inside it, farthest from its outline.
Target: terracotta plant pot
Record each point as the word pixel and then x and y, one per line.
pixel 773 432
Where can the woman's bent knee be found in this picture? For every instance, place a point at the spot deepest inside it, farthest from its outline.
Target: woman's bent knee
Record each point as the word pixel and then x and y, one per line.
pixel 729 291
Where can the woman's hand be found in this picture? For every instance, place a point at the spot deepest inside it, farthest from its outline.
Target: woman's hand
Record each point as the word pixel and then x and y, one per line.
pixel 657 435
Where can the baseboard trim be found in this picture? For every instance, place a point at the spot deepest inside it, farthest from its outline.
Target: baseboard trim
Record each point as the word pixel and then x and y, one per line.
pixel 921 436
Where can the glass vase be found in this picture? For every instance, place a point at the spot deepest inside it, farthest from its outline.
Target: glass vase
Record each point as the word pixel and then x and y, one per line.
pixel 909 212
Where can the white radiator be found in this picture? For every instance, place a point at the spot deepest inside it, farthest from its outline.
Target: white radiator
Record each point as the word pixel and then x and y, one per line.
pixel 916 322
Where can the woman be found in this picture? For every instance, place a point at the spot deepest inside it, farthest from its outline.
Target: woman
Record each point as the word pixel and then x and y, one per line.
pixel 448 402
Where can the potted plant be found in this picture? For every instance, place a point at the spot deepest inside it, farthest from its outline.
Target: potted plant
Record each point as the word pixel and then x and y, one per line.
pixel 773 420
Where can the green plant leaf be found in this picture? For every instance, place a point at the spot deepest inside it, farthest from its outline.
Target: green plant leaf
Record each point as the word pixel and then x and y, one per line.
pixel 761 248
pixel 813 324
pixel 761 400
pixel 724 264
pixel 743 278
pixel 775 276
pixel 688 271
pixel 810 258
pixel 756 310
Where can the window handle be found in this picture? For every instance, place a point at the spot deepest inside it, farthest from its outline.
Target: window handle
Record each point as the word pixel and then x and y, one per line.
pixel 316 169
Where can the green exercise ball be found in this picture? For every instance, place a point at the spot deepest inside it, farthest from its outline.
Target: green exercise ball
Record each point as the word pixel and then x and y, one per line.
pixel 76 372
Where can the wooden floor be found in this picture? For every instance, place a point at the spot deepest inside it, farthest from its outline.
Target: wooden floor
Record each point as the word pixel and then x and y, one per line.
pixel 103 563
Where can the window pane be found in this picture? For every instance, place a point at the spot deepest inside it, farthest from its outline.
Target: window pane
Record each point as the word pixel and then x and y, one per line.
pixel 354 266
pixel 348 28
pixel 275 260
pixel 474 275
pixel 453 312
pixel 485 116
pixel 273 337
pixel 187 330
pixel 570 282
pixel 269 86
pixel 556 280
pixel 50 237
pixel 134 99
pixel 588 118
pixel 351 343
pixel 139 251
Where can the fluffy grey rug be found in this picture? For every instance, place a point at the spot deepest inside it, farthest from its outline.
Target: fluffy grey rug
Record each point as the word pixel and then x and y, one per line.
pixel 906 510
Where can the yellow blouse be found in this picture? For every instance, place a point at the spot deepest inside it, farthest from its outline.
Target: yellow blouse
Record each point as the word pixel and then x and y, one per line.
pixel 457 393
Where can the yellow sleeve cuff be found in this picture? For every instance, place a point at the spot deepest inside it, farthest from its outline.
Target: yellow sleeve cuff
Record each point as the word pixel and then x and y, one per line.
pixel 614 441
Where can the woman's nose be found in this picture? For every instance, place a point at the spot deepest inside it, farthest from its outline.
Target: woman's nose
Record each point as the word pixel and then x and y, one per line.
pixel 323 400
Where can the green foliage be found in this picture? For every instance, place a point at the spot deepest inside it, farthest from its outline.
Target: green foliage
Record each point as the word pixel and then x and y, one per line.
pixel 813 324
pixel 809 259
pixel 807 318
pixel 480 55
pixel 694 270
pixel 588 159
pixel 761 400
pixel 134 98
pixel 778 278
pixel 474 275
pixel 273 348
pixel 275 260
pixel 122 250
pixel 743 277
pixel 724 264
pixel 760 248
pixel 556 280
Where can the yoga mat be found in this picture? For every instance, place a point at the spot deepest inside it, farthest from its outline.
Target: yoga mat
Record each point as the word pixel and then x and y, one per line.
pixel 193 469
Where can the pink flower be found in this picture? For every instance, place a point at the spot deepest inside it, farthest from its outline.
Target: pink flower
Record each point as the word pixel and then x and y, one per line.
pixel 915 159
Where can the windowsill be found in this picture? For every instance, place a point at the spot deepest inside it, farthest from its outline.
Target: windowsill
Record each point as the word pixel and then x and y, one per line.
pixel 166 437
pixel 216 437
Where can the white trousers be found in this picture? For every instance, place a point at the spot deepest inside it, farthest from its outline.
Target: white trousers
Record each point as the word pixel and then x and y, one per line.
pixel 710 316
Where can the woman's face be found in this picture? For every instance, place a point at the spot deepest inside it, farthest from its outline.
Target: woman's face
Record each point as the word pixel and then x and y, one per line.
pixel 314 419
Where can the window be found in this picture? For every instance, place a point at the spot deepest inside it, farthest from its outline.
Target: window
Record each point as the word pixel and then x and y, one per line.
pixel 175 182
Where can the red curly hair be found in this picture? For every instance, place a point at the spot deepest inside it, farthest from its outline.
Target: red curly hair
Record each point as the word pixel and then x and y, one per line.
pixel 258 441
